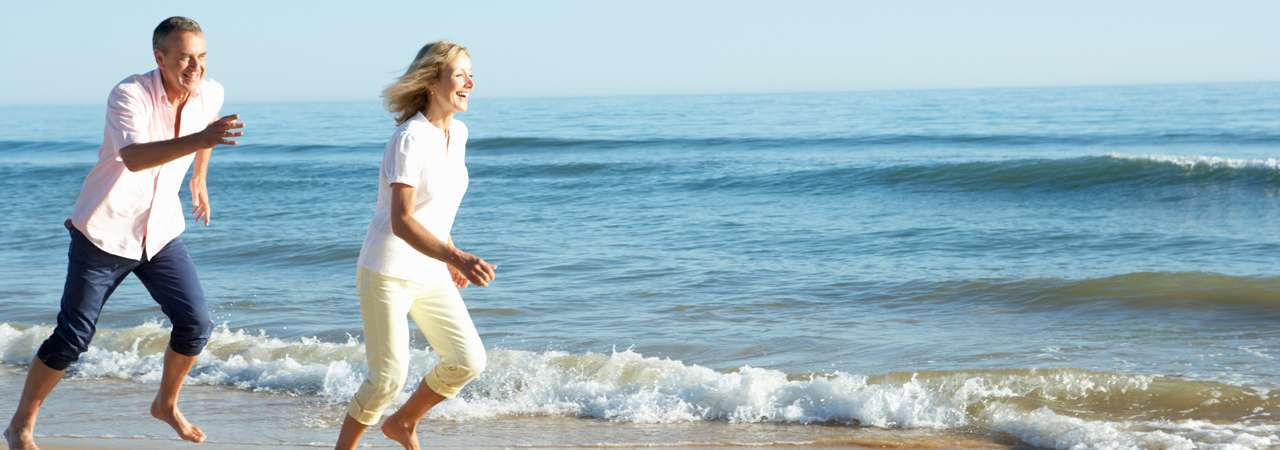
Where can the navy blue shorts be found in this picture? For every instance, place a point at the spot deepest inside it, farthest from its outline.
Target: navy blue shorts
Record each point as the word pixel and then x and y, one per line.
pixel 92 275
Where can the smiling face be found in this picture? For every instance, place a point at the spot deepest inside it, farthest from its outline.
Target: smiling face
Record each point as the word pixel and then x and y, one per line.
pixel 181 60
pixel 450 92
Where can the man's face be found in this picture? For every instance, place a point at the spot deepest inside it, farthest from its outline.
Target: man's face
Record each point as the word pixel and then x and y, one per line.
pixel 181 61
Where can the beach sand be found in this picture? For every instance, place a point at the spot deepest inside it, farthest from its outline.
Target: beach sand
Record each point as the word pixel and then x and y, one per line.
pixel 571 437
pixel 121 444
pixel 856 444
pixel 575 438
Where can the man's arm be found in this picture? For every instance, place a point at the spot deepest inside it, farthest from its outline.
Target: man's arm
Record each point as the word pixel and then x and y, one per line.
pixel 199 190
pixel 145 156
pixel 201 166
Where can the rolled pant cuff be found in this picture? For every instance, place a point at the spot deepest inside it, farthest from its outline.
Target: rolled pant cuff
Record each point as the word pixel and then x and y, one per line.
pixel 54 364
pixel 438 386
pixel 187 350
pixel 364 416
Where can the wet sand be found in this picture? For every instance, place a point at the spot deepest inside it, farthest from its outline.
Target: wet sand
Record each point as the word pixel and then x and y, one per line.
pixel 121 444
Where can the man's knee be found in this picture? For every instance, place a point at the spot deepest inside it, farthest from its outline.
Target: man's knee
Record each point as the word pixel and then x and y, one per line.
pixel 59 351
pixel 190 336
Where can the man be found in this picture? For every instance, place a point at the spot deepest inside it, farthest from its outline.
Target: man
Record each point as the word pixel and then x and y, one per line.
pixel 128 217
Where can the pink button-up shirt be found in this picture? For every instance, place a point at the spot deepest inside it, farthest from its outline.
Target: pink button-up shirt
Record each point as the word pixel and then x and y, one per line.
pixel 120 211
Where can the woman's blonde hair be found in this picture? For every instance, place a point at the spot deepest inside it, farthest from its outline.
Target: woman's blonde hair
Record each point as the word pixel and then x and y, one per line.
pixel 408 94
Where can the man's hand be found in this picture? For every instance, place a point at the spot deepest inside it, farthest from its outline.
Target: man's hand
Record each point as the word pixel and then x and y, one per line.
pixel 219 132
pixel 200 200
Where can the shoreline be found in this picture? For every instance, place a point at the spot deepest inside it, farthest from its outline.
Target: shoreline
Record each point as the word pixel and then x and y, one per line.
pixel 101 443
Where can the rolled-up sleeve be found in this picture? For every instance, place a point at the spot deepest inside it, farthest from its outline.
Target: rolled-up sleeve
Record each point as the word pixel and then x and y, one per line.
pixel 215 96
pixel 127 119
pixel 403 165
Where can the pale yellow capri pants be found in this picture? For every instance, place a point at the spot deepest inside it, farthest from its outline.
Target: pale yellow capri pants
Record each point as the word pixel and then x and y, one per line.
pixel 437 308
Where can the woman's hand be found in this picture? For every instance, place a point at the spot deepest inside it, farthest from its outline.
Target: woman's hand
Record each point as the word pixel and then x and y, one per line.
pixel 459 279
pixel 472 268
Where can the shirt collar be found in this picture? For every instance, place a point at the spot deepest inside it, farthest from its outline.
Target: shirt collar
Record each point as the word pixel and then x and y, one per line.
pixel 418 117
pixel 157 86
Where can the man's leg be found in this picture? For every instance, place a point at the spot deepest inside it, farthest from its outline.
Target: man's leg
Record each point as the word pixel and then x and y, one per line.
pixel 170 277
pixel 92 275
pixel 40 382
pixel 165 405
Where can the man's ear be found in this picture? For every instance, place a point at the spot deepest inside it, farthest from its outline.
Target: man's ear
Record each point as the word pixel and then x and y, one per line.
pixel 159 55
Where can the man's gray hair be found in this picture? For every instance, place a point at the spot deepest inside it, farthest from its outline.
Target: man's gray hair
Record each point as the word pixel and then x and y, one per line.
pixel 172 25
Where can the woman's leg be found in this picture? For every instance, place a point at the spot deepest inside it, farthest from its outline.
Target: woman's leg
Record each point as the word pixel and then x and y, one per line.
pixel 350 435
pixel 384 303
pixel 443 318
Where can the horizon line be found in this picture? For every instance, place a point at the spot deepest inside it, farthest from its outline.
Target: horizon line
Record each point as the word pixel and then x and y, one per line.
pixel 730 93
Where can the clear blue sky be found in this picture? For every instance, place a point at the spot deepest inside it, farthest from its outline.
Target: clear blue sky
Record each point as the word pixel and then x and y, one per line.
pixel 268 50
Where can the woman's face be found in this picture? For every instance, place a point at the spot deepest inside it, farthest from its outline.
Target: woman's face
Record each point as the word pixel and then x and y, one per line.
pixel 451 90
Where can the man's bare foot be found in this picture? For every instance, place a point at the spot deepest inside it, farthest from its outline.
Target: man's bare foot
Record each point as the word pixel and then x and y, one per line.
pixel 175 419
pixel 406 433
pixel 20 440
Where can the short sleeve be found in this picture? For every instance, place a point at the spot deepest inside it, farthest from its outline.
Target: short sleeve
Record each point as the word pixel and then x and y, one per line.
pixel 215 97
pixel 402 164
pixel 126 119
pixel 465 132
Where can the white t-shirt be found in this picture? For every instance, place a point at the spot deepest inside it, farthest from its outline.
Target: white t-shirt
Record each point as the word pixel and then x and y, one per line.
pixel 416 156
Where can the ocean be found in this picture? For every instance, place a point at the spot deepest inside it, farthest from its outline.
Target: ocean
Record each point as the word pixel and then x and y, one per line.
pixel 1074 267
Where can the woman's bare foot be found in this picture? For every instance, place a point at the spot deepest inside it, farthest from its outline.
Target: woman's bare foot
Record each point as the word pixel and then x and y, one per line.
pixel 169 414
pixel 20 439
pixel 406 433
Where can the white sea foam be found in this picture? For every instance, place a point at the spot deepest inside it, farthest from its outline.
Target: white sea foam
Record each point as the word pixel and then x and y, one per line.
pixel 1212 162
pixel 1046 428
pixel 629 387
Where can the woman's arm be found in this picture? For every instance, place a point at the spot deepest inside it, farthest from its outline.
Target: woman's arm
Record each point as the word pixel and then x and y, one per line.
pixel 404 226
pixel 459 280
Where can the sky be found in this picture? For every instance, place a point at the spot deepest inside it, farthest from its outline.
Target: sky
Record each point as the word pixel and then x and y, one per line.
pixel 73 52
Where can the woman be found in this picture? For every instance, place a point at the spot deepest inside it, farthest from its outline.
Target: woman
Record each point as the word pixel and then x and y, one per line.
pixel 408 264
